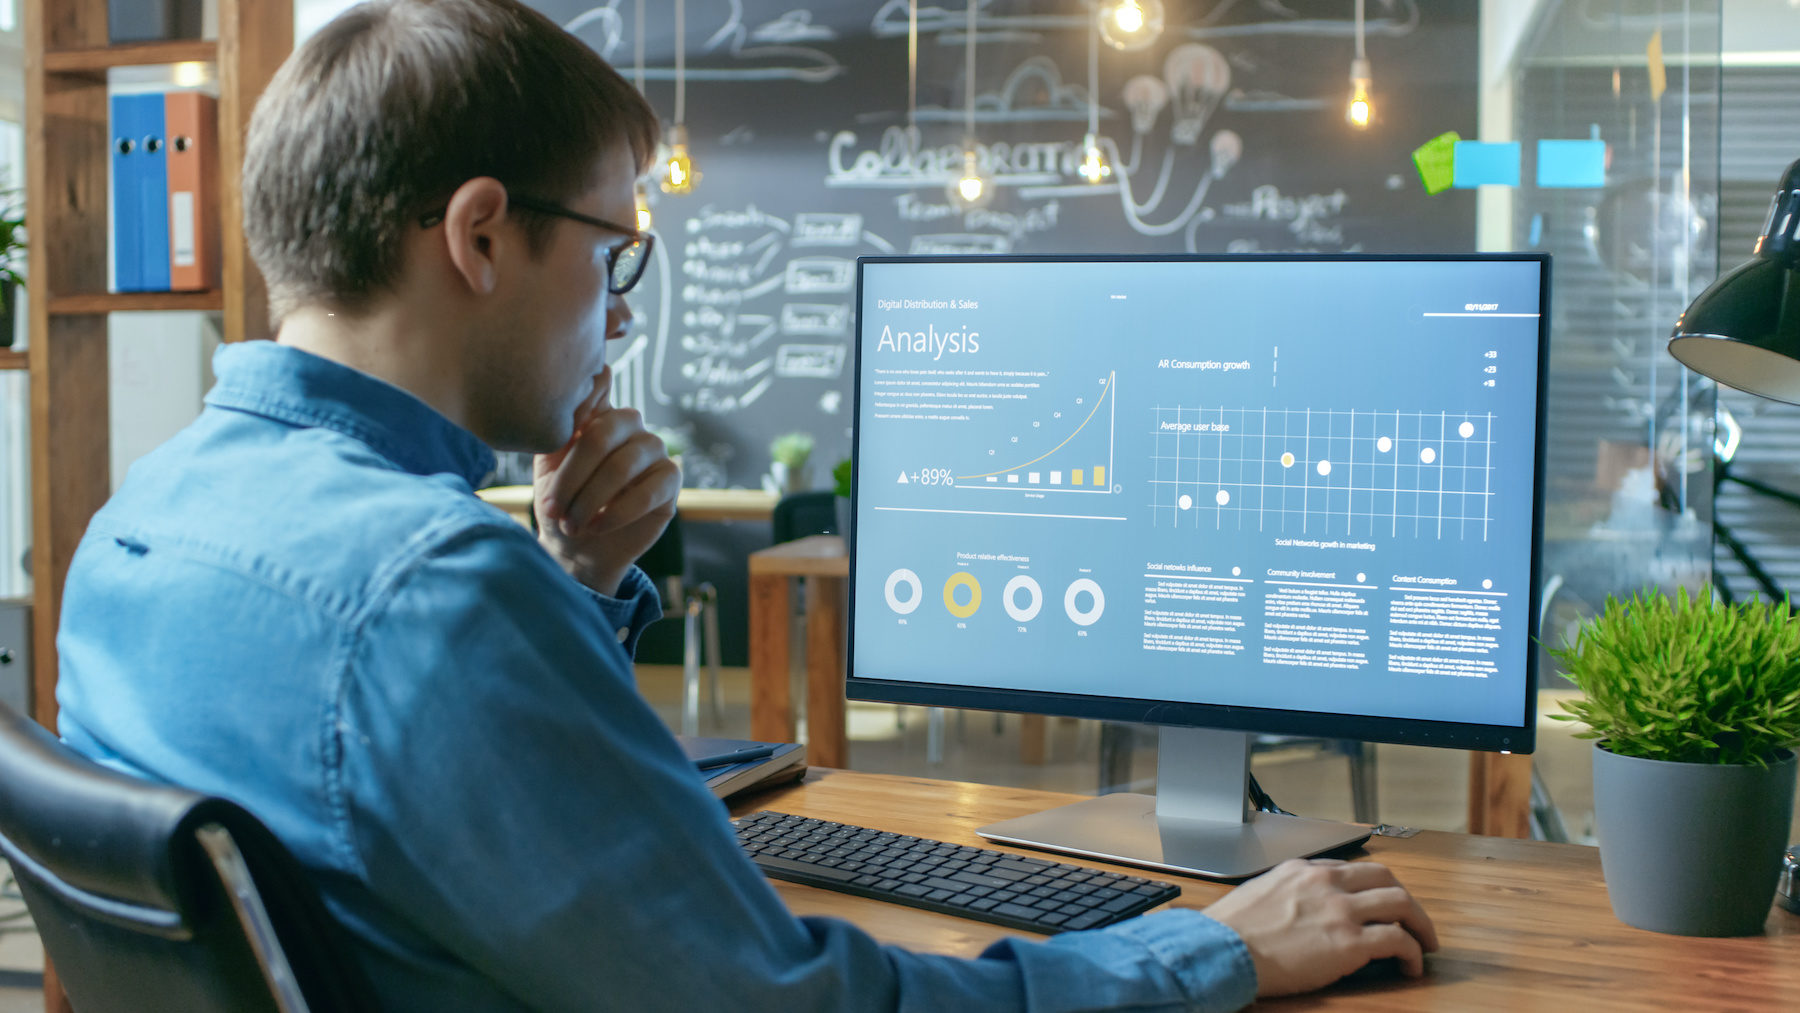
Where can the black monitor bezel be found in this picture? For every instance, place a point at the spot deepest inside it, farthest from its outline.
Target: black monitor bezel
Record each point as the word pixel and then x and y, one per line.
pixel 1516 738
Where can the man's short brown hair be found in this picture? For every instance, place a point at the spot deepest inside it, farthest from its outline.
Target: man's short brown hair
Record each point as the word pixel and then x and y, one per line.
pixel 377 119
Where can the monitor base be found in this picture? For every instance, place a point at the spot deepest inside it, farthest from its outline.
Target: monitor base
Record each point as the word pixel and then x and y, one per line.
pixel 1125 828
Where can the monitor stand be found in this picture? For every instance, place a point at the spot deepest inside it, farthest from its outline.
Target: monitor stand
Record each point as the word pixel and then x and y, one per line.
pixel 1199 821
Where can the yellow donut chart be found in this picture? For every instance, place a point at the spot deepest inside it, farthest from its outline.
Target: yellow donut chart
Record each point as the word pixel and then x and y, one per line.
pixel 957 580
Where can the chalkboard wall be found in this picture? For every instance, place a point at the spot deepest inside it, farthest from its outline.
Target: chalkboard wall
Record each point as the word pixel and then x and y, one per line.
pixel 1227 134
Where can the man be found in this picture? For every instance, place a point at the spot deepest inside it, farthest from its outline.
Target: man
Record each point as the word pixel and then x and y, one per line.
pixel 298 603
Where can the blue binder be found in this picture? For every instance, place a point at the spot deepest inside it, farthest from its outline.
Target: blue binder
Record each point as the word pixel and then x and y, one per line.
pixel 140 189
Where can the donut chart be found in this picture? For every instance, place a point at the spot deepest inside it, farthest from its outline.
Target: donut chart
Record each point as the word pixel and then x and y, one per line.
pixel 904 578
pixel 962 579
pixel 1027 612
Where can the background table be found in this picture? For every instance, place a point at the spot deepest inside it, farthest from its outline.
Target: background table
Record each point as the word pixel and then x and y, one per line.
pixel 821 561
pixel 697 506
pixel 1524 925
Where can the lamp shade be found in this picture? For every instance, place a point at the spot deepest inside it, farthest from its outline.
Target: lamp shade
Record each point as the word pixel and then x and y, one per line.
pixel 1744 330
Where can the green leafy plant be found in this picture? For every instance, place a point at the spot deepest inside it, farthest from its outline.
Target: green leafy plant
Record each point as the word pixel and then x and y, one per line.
pixel 840 477
pixel 792 449
pixel 1690 680
pixel 12 236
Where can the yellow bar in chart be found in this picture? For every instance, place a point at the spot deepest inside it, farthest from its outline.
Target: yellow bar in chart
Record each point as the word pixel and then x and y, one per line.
pixel 1099 474
pixel 1075 476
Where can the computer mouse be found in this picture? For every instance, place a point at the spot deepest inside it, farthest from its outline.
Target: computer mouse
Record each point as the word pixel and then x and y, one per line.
pixel 1379 969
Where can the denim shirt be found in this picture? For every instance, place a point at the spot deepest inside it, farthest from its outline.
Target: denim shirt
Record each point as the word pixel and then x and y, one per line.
pixel 297 603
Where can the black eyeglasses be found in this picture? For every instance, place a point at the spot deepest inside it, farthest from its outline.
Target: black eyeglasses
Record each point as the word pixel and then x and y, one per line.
pixel 625 263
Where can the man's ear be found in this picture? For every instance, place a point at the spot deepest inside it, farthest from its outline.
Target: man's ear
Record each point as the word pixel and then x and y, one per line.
pixel 473 234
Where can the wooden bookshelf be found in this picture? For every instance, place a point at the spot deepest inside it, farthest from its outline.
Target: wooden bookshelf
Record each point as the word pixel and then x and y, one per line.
pixel 66 60
pixel 121 302
pixel 12 358
pixel 98 59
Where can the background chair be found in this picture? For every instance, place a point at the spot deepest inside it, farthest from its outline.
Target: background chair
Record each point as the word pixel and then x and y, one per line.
pixel 153 897
pixel 800 514
pixel 697 607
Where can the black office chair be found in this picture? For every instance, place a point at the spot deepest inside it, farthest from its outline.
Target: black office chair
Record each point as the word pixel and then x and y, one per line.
pixel 153 897
pixel 697 606
pixel 799 514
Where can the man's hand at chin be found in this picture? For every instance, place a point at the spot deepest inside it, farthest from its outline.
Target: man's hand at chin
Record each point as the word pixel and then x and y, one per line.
pixel 605 497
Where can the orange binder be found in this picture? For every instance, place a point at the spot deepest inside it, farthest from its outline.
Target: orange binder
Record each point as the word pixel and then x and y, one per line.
pixel 192 125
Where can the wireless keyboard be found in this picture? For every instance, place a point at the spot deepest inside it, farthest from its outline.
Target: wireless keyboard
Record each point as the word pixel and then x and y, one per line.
pixel 991 886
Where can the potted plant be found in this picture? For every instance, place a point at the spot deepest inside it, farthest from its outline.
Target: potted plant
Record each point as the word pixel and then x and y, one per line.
pixel 846 512
pixel 12 258
pixel 1696 706
pixel 788 454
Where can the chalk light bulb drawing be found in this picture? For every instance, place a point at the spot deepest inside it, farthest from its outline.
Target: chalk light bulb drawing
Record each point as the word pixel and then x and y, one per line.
pixel 1145 96
pixel 1226 147
pixel 1130 24
pixel 1198 78
pixel 1094 167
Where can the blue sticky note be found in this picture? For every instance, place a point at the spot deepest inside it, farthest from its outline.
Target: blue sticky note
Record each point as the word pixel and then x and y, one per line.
pixel 1571 163
pixel 1480 163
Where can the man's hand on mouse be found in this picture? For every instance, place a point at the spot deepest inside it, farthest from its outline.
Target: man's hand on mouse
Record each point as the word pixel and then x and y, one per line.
pixel 605 497
pixel 1309 923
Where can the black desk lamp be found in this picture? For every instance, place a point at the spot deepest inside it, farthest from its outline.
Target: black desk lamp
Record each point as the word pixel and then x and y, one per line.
pixel 1744 332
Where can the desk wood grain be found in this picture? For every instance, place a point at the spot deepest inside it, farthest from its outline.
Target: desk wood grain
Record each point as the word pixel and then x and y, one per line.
pixel 1524 925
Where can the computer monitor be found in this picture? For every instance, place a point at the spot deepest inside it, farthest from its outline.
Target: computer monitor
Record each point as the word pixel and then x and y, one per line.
pixel 1223 495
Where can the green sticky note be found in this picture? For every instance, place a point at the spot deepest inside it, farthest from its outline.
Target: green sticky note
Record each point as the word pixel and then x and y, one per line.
pixel 1436 160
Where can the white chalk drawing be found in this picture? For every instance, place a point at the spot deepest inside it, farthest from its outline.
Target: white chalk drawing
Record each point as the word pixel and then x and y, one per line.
pixel 806 275
pixel 628 374
pixel 816 362
pixel 960 243
pixel 1033 92
pixel 767 52
pixel 751 302
pixel 823 229
pixel 822 319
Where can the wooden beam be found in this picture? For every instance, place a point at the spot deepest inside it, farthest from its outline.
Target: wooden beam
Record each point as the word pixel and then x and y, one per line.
pixel 254 38
pixel 1500 795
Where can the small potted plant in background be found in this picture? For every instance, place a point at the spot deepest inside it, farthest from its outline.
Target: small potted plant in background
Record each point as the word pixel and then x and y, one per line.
pixel 846 513
pixel 788 454
pixel 12 258
pixel 1696 706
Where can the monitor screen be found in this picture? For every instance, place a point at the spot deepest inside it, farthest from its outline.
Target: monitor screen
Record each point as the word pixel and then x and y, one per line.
pixel 1284 494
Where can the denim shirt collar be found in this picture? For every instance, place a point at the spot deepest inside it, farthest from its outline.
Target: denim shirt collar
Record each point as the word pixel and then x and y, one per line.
pixel 299 388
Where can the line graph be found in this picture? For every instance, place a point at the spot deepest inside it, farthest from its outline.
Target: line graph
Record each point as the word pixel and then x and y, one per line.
pixel 1311 472
pixel 1087 469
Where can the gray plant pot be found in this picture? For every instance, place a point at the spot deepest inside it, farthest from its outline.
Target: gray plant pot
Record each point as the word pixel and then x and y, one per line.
pixel 1691 849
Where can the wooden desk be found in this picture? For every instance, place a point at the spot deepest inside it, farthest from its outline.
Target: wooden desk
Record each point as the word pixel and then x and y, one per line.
pixel 821 560
pixel 697 506
pixel 1524 925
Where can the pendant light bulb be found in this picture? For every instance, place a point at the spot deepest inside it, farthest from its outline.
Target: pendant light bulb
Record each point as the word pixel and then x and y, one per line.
pixel 679 174
pixel 641 193
pixel 1360 111
pixel 1094 167
pixel 1130 24
pixel 972 189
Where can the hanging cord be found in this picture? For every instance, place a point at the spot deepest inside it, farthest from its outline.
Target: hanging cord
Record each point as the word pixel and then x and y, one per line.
pixel 969 72
pixel 638 74
pixel 912 64
pixel 680 62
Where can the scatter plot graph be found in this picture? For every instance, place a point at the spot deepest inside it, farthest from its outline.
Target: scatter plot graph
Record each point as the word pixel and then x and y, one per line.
pixel 1323 473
